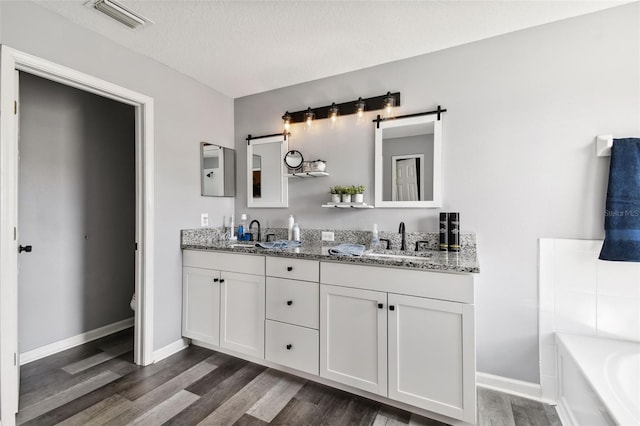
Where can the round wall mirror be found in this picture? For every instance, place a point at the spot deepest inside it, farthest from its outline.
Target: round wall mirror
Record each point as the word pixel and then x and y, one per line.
pixel 293 159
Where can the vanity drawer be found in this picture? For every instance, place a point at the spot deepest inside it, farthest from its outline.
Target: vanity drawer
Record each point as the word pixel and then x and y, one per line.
pixel 293 301
pixel 243 263
pixel 295 269
pixel 292 346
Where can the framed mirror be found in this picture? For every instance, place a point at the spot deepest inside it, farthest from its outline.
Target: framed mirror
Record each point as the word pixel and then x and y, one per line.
pixel 266 183
pixel 217 171
pixel 408 163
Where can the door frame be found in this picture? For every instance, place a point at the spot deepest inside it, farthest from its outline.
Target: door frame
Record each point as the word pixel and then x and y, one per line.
pixel 10 61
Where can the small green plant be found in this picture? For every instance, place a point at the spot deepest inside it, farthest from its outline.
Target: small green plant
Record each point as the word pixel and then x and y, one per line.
pixel 359 189
pixel 351 190
pixel 334 190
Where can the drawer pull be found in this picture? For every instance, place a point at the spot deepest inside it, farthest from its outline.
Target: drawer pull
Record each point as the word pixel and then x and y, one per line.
pixel 215 280
pixel 289 302
pixel 289 268
pixel 380 306
pixel 289 346
pixel 392 308
pixel 222 280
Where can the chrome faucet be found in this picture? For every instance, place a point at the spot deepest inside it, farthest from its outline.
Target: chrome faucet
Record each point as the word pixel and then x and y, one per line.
pixel 403 242
pixel 251 226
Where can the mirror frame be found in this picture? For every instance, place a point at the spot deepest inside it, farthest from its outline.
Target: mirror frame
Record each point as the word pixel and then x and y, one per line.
pixel 284 148
pixel 232 192
pixel 437 161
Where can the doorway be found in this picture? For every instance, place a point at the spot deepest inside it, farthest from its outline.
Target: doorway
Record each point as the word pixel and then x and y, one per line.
pixel 11 61
pixel 76 212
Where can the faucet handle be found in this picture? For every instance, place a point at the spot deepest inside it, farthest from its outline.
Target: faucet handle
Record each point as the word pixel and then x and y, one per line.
pixel 388 242
pixel 268 237
pixel 418 243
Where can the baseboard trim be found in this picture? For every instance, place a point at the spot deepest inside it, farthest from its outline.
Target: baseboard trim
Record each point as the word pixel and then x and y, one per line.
pixel 170 349
pixel 564 413
pixel 72 342
pixel 511 386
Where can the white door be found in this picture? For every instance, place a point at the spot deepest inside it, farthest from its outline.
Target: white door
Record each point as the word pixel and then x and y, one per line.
pixel 407 184
pixel 242 316
pixel 353 337
pixel 431 355
pixel 201 305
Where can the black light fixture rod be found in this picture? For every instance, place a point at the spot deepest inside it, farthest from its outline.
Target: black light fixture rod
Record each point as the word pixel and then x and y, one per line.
pixel 346 108
pixel 438 111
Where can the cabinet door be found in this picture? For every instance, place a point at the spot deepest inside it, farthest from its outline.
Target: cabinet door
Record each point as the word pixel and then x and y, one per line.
pixel 432 356
pixel 353 337
pixel 201 305
pixel 242 313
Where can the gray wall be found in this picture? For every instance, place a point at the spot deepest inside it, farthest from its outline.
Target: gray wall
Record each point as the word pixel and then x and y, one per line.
pixel 518 147
pixel 77 209
pixel 186 112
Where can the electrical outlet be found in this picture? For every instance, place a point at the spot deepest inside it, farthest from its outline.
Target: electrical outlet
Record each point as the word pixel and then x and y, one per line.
pixel 204 219
pixel 327 236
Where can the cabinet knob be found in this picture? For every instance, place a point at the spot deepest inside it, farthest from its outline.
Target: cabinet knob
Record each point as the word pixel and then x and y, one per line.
pixel 289 346
pixel 392 308
pixel 215 280
pixel 221 280
pixel 289 302
pixel 380 306
pixel 289 268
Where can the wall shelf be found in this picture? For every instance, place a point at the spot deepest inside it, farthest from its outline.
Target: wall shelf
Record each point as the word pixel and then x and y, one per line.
pixel 307 174
pixel 348 205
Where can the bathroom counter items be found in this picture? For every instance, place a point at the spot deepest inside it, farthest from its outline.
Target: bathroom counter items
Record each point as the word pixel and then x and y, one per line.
pixel 465 261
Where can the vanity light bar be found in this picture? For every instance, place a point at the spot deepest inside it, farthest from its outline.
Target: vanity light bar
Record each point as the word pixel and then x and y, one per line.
pixel 438 111
pixel 344 108
pixel 120 13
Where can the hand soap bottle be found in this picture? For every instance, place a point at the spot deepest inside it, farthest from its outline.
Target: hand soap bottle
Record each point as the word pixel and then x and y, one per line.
pixel 291 223
pixel 242 226
pixel 296 232
pixel 375 240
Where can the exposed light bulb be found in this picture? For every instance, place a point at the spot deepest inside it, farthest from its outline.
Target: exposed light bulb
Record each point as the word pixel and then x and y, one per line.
pixel 308 117
pixel 388 103
pixel 360 106
pixel 287 121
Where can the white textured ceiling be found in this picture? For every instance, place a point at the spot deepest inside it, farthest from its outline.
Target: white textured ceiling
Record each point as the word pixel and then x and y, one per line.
pixel 246 47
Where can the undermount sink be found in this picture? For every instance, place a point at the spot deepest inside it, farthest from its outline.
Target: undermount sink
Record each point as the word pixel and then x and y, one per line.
pixel 417 256
pixel 240 245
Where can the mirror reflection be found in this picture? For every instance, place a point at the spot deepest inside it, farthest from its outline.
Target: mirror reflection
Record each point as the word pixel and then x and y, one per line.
pixel 266 184
pixel 408 162
pixel 217 171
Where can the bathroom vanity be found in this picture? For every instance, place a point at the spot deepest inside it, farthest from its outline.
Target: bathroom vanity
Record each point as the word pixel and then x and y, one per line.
pixel 395 330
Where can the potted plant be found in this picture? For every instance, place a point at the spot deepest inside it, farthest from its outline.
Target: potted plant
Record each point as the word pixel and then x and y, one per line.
pixel 335 194
pixel 359 193
pixel 345 192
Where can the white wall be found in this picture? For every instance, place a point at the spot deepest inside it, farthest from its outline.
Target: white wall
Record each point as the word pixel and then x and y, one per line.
pixel 518 146
pixel 77 209
pixel 186 112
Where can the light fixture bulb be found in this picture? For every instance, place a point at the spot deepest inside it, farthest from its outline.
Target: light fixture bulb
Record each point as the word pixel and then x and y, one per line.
pixel 360 106
pixel 388 103
pixel 333 112
pixel 287 121
pixel 308 117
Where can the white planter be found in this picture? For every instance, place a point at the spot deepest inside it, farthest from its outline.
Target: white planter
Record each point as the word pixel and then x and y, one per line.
pixel 335 198
pixel 359 198
pixel 346 198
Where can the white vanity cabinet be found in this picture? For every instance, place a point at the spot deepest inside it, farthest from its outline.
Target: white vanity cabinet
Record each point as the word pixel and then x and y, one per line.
pixel 372 331
pixel 201 304
pixel 223 300
pixel 292 313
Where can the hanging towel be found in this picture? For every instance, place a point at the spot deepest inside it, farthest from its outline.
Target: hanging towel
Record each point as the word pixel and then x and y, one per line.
pixel 622 214
pixel 280 244
pixel 347 250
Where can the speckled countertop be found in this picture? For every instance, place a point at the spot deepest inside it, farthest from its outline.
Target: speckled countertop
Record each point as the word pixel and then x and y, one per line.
pixel 462 262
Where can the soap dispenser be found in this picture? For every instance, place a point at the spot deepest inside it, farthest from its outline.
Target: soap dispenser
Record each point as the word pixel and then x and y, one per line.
pixel 291 223
pixel 296 232
pixel 375 240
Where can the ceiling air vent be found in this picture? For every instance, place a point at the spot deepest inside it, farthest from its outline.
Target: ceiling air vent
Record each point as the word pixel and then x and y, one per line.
pixel 120 13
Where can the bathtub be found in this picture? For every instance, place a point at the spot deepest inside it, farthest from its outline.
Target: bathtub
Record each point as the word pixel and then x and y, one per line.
pixel 598 381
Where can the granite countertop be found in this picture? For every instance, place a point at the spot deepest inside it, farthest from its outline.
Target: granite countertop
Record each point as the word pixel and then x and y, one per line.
pixel 432 260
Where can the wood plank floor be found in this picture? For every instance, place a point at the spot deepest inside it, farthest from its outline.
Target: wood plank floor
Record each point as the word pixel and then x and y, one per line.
pixel 98 384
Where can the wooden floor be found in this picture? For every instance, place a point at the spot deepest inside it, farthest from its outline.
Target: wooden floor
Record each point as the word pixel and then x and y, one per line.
pixel 97 384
